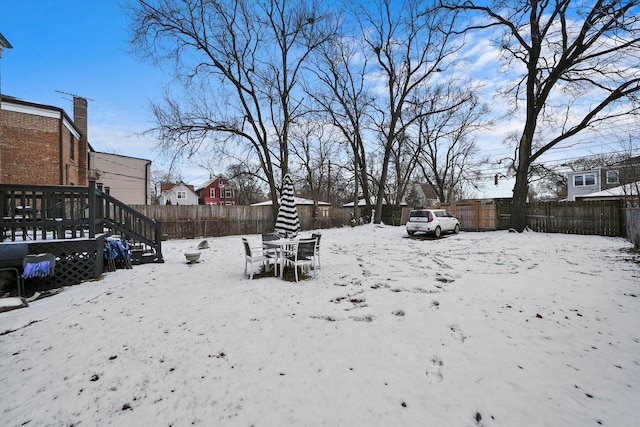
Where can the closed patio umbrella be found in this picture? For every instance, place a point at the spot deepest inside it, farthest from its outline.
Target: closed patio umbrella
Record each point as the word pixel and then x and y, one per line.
pixel 287 222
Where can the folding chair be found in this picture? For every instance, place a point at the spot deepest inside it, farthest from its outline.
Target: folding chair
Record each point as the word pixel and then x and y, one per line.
pixel 250 257
pixel 302 254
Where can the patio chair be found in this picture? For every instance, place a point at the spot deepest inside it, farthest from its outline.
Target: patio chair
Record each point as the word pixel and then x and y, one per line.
pixel 302 254
pixel 250 257
pixel 269 251
pixel 317 236
pixel 12 257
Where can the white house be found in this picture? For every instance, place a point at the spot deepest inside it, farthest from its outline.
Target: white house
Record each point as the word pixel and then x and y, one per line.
pixel 177 194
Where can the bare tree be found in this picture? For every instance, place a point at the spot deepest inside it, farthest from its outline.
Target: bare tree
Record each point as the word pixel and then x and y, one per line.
pixel 580 63
pixel 239 64
pixel 246 182
pixel 410 43
pixel 446 138
pixel 343 98
pixel 313 151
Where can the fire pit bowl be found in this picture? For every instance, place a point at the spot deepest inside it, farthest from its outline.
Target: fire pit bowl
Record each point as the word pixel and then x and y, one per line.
pixel 192 257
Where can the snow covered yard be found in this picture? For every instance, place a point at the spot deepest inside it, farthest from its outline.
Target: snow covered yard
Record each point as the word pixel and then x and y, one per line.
pixel 475 329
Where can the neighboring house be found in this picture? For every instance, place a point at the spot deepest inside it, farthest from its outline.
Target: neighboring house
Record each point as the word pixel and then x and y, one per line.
pixel 41 145
pixel 626 191
pixel 421 195
pixel 128 179
pixel 177 194
pixel 323 207
pixel 217 191
pixel 582 183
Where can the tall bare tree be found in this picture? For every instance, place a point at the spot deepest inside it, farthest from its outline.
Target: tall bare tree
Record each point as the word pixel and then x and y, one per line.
pixel 240 66
pixel 313 150
pixel 246 181
pixel 446 138
pixel 580 69
pixel 411 43
pixel 343 98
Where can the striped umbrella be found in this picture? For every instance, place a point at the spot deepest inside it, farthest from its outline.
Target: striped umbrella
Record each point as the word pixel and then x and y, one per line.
pixel 287 222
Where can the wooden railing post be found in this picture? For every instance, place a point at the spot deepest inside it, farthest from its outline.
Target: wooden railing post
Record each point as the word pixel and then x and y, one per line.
pixel 158 241
pixel 92 208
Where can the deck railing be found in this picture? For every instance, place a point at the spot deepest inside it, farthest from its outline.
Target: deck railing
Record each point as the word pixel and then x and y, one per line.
pixel 49 212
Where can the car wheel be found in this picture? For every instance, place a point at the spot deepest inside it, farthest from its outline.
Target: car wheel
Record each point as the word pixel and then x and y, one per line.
pixel 456 229
pixel 411 233
pixel 437 232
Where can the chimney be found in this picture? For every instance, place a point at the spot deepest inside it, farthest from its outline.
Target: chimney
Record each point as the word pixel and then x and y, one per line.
pixel 80 118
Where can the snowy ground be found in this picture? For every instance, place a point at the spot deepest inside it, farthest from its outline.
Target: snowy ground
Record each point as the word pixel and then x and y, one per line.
pixel 476 329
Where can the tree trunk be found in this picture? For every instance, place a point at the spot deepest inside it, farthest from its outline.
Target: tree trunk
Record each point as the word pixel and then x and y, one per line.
pixel 520 191
pixel 381 184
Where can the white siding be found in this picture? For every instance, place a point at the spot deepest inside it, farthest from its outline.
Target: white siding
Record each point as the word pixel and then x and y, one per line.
pixel 128 178
pixel 190 198
pixel 574 190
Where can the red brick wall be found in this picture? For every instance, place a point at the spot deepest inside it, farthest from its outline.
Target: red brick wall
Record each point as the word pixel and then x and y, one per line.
pixel 29 149
pixel 81 120
pixel 31 144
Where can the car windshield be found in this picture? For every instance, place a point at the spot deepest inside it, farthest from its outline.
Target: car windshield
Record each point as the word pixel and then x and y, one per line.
pixel 423 214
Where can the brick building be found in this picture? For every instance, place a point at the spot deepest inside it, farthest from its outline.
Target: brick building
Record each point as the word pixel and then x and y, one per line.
pixel 41 145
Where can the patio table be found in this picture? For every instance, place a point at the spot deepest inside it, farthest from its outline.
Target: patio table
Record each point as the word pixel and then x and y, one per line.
pixel 279 245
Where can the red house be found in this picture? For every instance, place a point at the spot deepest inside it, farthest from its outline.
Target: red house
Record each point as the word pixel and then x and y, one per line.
pixel 217 191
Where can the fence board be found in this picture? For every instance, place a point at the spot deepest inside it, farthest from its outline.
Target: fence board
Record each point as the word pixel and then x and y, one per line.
pixel 193 221
pixel 601 217
pixel 632 225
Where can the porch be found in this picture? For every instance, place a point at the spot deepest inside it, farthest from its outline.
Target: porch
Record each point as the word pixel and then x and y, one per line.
pixel 72 222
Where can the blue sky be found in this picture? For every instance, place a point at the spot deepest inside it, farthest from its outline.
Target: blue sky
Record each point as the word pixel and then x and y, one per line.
pixel 81 47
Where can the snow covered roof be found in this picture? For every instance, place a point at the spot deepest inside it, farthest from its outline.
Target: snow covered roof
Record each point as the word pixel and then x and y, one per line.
pixel 299 201
pixel 630 189
pixel 362 202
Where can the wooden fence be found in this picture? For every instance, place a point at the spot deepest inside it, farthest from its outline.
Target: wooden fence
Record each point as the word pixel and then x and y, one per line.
pixel 193 221
pixel 601 217
pixel 631 217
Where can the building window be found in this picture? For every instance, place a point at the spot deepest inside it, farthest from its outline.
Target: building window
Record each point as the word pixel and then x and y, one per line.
pixel 227 203
pixel 182 195
pixel 613 177
pixel 212 193
pixel 72 146
pixel 583 180
pixel 228 194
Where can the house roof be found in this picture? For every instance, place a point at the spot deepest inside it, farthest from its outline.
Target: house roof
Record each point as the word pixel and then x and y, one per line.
pixel 632 161
pixel 166 186
pixel 630 189
pixel 29 107
pixel 299 201
pixel 210 181
pixel 429 191
pixel 4 44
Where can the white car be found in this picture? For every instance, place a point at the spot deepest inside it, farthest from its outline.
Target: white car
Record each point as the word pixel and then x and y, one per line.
pixel 432 221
